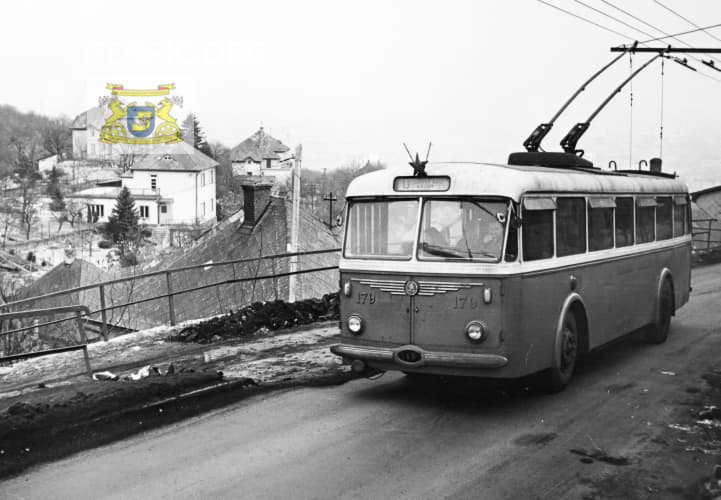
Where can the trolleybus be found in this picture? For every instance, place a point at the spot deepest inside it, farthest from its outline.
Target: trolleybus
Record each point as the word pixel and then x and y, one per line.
pixel 501 271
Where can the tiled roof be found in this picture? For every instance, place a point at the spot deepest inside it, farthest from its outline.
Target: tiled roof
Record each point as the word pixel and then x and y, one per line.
pixel 696 194
pixel 180 156
pixel 269 236
pixel 258 147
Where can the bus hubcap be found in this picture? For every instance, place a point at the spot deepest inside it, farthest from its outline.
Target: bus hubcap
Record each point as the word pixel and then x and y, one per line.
pixel 568 350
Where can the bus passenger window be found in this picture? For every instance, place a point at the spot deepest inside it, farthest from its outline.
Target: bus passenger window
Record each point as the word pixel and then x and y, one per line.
pixel 664 216
pixel 645 226
pixel 624 222
pixel 679 216
pixel 600 223
pixel 537 234
pixel 570 226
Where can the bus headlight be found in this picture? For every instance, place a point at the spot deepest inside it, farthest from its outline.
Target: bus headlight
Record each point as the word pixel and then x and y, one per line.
pixel 347 288
pixel 355 324
pixel 487 295
pixel 476 331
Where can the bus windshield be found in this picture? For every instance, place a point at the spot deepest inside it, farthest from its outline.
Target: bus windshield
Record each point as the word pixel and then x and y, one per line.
pixel 382 229
pixel 456 229
pixel 465 229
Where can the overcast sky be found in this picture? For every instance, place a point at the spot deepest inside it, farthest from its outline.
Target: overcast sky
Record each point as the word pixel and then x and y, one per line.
pixel 352 80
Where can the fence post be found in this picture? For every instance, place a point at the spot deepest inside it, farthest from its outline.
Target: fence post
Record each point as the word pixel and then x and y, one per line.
pixel 708 239
pixel 84 340
pixel 103 314
pixel 171 309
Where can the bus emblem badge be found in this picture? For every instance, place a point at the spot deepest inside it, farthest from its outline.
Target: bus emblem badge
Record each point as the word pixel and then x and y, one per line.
pixel 411 287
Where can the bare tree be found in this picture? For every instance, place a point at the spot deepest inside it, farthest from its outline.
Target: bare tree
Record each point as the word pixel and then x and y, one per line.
pixel 73 210
pixel 26 176
pixel 9 215
pixel 56 137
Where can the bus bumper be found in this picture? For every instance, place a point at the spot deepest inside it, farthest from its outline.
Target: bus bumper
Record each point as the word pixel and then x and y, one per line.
pixel 412 356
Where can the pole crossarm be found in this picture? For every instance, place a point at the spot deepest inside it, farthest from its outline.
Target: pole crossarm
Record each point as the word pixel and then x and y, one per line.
pixel 664 50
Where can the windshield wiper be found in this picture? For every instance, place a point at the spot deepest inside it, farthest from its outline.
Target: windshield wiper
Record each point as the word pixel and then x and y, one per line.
pixel 441 251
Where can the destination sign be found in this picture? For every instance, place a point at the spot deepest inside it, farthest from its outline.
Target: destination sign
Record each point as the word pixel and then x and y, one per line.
pixel 430 183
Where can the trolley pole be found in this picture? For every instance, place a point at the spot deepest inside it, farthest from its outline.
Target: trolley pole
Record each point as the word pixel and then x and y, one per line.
pixel 330 199
pixel 295 222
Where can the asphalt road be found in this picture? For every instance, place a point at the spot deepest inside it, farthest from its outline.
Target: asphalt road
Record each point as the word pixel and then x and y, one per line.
pixel 397 438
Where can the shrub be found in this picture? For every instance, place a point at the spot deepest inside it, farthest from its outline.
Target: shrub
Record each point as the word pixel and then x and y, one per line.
pixel 105 244
pixel 128 259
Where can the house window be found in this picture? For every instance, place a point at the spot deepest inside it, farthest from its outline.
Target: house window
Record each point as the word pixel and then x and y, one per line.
pixel 267 162
pixel 163 208
pixel 202 179
pixel 144 211
pixel 153 182
pixel 95 212
pixel 202 208
pixel 212 205
pixel 212 177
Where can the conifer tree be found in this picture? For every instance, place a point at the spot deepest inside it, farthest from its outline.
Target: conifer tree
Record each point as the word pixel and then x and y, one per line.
pixel 122 226
pixel 193 134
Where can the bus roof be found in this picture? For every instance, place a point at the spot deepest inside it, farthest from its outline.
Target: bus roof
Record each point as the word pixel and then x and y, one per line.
pixel 512 181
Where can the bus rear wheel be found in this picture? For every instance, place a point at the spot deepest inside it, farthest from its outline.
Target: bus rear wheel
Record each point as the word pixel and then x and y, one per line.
pixel 559 375
pixel 657 332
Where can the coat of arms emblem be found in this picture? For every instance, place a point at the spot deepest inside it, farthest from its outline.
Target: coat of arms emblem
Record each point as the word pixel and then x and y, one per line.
pixel 145 123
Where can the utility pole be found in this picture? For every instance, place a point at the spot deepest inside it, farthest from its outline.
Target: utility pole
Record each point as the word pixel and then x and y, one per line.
pixel 295 222
pixel 330 199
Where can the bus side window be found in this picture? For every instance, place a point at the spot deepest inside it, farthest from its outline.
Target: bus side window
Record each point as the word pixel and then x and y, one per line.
pixel 645 227
pixel 537 234
pixel 624 222
pixel 600 223
pixel 570 226
pixel 664 216
pixel 679 216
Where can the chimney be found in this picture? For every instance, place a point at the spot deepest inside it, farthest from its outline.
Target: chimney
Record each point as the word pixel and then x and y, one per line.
pixel 655 164
pixel 256 198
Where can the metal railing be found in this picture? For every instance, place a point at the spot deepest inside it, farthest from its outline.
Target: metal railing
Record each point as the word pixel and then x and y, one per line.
pixel 171 292
pixel 705 236
pixel 77 309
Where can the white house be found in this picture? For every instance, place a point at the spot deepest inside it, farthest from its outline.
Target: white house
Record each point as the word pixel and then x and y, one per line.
pixel 47 163
pixel 174 184
pixel 262 155
pixel 86 137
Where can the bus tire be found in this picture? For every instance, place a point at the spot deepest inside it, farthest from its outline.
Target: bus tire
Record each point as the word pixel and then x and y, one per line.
pixel 566 355
pixel 657 332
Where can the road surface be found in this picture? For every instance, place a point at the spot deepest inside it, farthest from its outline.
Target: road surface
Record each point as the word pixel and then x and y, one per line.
pixel 398 438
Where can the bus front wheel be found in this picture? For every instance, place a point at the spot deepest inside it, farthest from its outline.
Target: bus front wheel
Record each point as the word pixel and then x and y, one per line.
pixel 559 375
pixel 657 332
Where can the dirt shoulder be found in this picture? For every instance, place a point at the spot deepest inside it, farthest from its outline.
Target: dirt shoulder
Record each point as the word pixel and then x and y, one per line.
pixel 50 408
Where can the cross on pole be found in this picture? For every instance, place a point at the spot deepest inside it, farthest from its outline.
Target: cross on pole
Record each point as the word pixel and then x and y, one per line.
pixel 330 198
